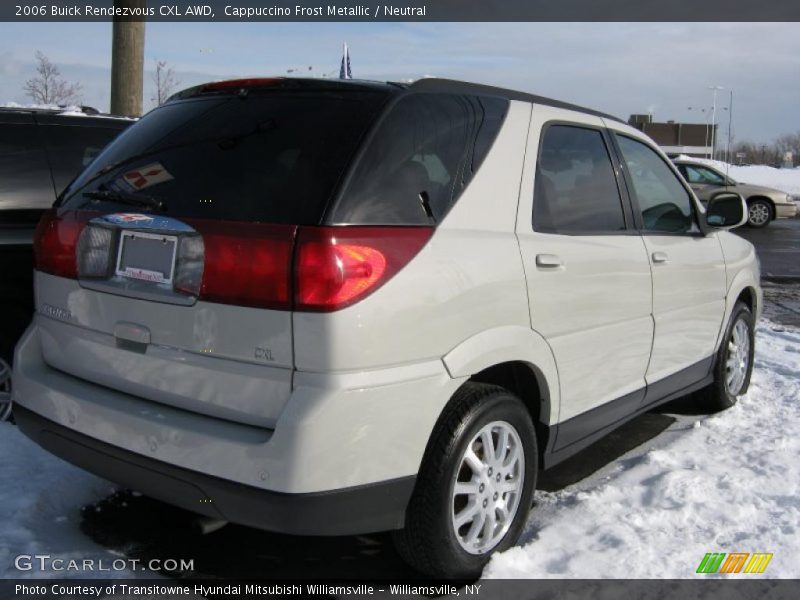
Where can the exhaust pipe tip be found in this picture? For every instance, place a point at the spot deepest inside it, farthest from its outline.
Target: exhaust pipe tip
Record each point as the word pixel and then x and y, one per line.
pixel 206 525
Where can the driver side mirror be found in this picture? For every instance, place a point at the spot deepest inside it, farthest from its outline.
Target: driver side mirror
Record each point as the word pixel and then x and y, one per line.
pixel 726 210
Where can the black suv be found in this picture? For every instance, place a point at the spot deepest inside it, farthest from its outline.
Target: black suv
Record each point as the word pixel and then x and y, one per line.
pixel 41 151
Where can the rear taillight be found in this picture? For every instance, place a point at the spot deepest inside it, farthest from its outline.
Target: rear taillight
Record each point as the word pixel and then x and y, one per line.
pixel 56 240
pixel 280 267
pixel 246 264
pixel 337 266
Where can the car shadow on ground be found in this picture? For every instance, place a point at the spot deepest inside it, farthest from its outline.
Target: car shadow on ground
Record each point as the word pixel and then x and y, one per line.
pixel 146 529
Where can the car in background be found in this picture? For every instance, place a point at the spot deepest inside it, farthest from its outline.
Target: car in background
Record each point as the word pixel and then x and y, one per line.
pixel 41 151
pixel 763 203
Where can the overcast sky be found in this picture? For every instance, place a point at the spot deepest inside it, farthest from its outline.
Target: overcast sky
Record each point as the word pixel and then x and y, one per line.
pixel 618 68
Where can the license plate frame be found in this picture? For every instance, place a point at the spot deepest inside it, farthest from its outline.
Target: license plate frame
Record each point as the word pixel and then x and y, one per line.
pixel 141 273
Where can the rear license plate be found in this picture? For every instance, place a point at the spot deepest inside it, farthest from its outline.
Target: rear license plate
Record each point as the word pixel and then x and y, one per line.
pixel 147 256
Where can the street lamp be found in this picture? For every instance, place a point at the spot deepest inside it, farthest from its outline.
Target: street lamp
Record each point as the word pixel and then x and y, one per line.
pixel 710 133
pixel 715 89
pixel 702 110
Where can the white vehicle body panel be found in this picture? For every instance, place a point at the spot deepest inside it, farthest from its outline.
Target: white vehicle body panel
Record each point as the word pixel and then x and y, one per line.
pixel 578 306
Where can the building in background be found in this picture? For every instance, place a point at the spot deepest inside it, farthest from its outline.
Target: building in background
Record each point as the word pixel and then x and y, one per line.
pixel 690 139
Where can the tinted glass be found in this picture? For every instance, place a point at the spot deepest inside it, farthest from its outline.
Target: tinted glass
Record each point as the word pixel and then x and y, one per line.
pixel 422 155
pixel 702 175
pixel 24 173
pixel 272 157
pixel 575 189
pixel 665 204
pixel 72 148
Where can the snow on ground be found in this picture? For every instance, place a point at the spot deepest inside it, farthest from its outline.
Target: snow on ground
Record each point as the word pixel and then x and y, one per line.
pixel 726 483
pixel 722 483
pixel 40 501
pixel 787 180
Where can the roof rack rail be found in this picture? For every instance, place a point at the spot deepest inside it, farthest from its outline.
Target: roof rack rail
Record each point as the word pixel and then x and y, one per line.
pixel 434 84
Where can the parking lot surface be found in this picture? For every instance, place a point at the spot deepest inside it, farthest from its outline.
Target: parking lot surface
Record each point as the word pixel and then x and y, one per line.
pixel 778 247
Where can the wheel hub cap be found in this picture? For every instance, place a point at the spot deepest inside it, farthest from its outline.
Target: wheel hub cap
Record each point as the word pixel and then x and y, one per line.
pixel 487 488
pixel 738 359
pixel 759 214
pixel 5 390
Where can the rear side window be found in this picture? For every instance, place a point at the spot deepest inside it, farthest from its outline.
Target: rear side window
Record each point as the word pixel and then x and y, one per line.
pixel 419 159
pixel 72 148
pixel 25 182
pixel 663 201
pixel 267 156
pixel 696 174
pixel 575 190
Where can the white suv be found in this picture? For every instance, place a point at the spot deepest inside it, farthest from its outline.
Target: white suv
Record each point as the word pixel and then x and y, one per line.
pixel 323 307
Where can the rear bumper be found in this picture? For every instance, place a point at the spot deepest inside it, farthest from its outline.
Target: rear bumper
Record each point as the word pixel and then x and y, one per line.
pixel 342 442
pixel 375 507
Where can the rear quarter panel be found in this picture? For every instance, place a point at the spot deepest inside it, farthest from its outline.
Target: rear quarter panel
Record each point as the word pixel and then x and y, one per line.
pixel 467 279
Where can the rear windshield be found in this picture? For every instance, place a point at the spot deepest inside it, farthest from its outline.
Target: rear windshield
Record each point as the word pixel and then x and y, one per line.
pixel 272 157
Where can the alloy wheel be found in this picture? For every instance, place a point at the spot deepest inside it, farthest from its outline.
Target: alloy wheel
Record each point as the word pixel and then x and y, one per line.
pixel 738 359
pixel 487 487
pixel 758 214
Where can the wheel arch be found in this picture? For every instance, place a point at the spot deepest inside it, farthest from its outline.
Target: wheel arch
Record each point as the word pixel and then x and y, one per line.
pixel 744 288
pixel 517 359
pixel 527 382
pixel 766 199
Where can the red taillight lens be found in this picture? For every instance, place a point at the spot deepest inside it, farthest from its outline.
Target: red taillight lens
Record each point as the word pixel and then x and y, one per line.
pixel 252 82
pixel 246 264
pixel 56 239
pixel 337 266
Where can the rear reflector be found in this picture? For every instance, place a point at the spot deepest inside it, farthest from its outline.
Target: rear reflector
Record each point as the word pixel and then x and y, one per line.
pixel 338 266
pixel 56 240
pixel 246 264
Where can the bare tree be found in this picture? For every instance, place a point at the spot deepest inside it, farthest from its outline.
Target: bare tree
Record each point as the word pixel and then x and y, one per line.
pixel 48 87
pixel 165 81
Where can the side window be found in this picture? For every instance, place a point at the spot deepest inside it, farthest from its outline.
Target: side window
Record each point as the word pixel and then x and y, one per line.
pixel 25 182
pixel 665 204
pixel 575 191
pixel 702 175
pixel 420 159
pixel 71 149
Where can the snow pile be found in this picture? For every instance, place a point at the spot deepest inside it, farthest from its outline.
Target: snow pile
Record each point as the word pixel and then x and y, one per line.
pixel 787 180
pixel 722 483
pixel 40 501
pixel 63 108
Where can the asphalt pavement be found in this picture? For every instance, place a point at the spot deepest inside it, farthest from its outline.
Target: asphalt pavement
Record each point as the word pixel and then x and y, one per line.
pixel 778 248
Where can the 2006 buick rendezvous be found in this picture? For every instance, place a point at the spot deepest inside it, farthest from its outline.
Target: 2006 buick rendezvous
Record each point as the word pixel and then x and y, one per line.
pixel 325 307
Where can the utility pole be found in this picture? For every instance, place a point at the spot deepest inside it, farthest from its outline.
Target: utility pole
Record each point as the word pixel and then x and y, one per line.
pixel 730 129
pixel 715 88
pixel 127 62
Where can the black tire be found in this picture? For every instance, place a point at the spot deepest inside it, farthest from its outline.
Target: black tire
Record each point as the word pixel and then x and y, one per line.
pixel 761 207
pixel 717 396
pixel 5 391
pixel 429 543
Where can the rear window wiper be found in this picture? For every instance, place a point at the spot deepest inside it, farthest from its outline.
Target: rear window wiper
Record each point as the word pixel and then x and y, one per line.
pixel 126 198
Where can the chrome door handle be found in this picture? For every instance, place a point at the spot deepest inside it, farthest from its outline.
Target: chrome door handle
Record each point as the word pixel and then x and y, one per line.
pixel 660 257
pixel 548 261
